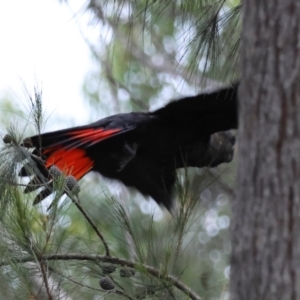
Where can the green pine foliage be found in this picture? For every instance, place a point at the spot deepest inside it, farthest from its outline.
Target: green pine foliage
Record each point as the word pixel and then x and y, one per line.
pixel 100 244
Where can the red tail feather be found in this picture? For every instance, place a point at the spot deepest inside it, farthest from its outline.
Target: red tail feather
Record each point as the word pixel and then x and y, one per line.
pixel 66 149
pixel 70 161
pixel 93 135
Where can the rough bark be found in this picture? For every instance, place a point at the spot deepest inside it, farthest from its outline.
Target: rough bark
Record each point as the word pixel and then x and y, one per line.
pixel 266 213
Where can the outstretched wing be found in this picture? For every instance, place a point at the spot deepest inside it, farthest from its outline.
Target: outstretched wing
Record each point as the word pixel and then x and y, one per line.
pixel 69 150
pixel 141 150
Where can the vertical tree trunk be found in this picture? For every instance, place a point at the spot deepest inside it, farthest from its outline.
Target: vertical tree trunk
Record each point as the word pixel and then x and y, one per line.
pixel 266 213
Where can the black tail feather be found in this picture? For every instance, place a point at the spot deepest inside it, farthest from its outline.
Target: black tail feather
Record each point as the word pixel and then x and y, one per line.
pixel 210 112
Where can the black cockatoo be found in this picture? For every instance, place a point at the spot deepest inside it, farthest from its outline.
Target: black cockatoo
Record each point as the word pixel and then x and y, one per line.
pixel 142 150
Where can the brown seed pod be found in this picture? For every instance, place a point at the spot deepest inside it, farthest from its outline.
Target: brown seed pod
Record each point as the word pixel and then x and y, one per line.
pixel 125 272
pixel 106 283
pixel 7 139
pixel 108 269
pixel 55 172
pixel 72 185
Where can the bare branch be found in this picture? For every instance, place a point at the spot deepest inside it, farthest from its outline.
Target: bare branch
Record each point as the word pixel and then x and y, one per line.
pixel 118 261
pixel 80 208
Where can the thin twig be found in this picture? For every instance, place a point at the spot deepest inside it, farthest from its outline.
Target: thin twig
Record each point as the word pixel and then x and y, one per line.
pixel 45 279
pixel 80 208
pixel 118 261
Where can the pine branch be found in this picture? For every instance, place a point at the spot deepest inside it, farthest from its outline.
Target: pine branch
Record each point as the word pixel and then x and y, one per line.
pixel 117 261
pixel 76 201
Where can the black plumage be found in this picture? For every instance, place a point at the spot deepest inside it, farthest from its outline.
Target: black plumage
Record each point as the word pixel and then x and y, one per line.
pixel 143 150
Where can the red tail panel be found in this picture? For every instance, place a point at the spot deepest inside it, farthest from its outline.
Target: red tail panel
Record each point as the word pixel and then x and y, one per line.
pixel 69 158
pixel 70 161
pixel 93 135
pixel 66 149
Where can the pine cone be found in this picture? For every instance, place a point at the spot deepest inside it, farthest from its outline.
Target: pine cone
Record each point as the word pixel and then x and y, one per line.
pixel 108 269
pixel 106 283
pixel 124 272
pixel 55 172
pixel 7 139
pixel 72 185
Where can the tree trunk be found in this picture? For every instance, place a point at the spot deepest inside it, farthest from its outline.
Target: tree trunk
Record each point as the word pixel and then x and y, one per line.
pixel 266 213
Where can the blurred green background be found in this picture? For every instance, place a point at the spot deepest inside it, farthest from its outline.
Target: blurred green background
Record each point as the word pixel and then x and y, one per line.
pixel 144 53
